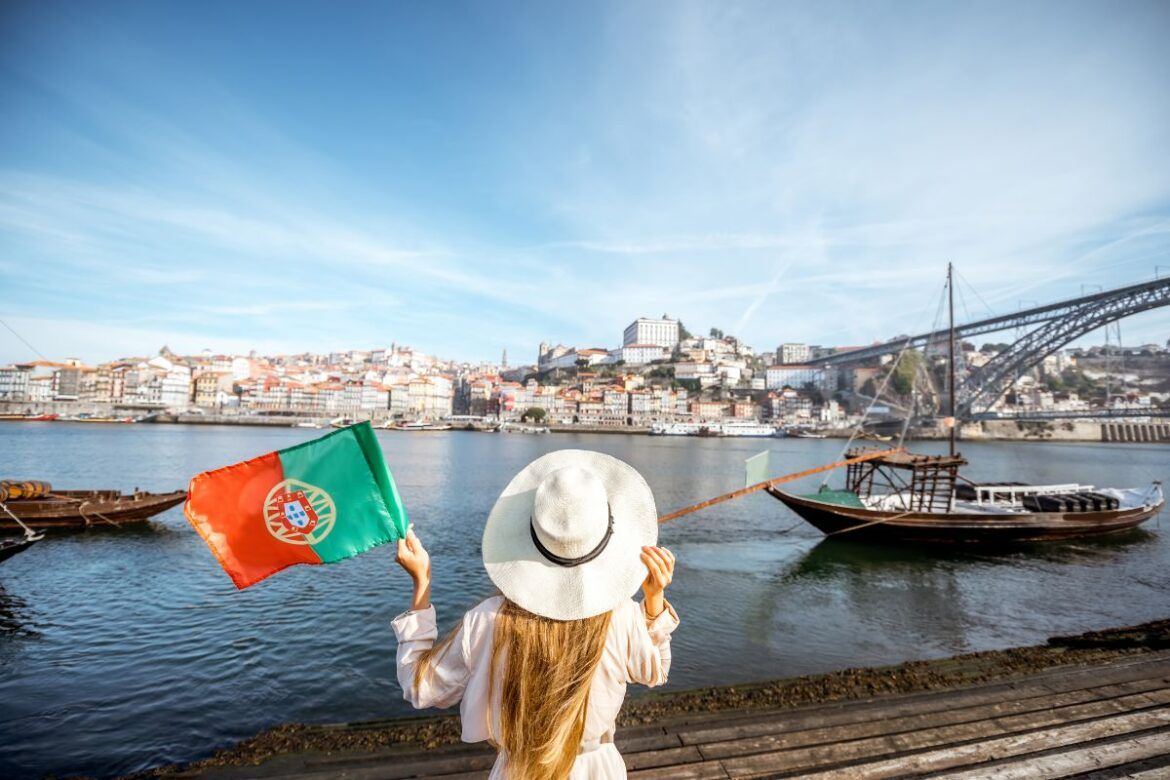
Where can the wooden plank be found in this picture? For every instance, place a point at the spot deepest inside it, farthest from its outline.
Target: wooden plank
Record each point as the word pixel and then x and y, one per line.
pixel 413 755
pixel 1071 762
pixel 671 757
pixel 629 746
pixel 849 747
pixel 1151 773
pixel 894 705
pixel 966 755
pixel 706 770
pixel 395 768
pixel 778 724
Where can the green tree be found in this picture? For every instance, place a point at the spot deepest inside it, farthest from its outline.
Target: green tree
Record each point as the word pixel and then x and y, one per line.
pixel 905 372
pixel 683 333
pixel 716 333
pixel 534 414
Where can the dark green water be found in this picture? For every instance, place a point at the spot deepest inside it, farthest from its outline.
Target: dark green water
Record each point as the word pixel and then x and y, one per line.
pixel 123 649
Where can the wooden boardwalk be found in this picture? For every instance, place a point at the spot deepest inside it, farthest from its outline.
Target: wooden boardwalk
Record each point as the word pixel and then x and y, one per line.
pixel 1107 721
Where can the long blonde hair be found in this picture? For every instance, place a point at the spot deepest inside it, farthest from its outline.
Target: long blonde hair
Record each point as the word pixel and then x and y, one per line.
pixel 545 693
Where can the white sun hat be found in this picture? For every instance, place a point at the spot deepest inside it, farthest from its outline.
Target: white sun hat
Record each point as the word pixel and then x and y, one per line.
pixel 565 537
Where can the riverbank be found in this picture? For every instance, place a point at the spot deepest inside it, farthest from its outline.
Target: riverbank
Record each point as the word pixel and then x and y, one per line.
pixel 741 722
pixel 990 431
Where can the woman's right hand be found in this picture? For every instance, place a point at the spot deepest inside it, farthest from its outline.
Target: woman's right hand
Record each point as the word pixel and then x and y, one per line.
pixel 413 557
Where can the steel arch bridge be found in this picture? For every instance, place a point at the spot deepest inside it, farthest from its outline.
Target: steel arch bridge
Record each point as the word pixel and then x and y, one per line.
pixel 1050 327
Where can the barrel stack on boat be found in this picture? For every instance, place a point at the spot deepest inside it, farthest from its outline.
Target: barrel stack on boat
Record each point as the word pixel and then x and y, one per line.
pixel 37 506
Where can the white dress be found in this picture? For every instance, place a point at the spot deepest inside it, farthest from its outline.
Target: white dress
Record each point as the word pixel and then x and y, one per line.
pixel 634 652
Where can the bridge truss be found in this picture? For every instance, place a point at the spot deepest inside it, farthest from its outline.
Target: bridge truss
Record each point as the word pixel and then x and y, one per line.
pixel 1045 330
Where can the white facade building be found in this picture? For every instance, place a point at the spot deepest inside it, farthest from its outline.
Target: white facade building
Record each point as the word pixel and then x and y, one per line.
pixel 14 382
pixel 793 353
pixel 798 375
pixel 175 390
pixel 639 354
pixel 663 333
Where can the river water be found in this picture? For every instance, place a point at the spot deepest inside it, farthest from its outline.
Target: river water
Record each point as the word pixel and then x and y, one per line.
pixel 126 648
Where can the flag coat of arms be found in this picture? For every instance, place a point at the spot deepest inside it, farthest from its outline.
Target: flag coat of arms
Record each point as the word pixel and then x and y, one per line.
pixel 317 502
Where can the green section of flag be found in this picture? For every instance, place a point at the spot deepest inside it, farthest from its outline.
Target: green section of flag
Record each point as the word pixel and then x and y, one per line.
pixel 348 465
pixel 372 451
pixel 757 468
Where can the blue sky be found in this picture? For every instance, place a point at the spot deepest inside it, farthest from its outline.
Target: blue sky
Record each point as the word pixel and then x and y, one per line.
pixel 468 177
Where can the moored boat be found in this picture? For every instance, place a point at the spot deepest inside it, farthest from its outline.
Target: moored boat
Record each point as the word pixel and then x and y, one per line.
pixel 899 496
pixel 36 505
pixel 746 428
pixel 513 427
pixel 804 433
pixel 903 497
pixel 675 429
pixel 417 425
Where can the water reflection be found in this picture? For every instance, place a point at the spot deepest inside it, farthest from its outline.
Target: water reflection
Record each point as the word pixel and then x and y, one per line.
pixel 17 618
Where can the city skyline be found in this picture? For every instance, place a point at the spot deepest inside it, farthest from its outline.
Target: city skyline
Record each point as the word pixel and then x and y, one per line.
pixel 476 181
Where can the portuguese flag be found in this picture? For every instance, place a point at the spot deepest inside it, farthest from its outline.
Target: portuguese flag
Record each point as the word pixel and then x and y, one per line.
pixel 317 502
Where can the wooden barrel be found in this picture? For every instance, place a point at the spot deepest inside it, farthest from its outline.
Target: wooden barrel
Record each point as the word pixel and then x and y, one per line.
pixel 12 490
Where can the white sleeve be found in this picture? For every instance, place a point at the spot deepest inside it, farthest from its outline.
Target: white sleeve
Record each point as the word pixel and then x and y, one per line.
pixel 648 662
pixel 445 679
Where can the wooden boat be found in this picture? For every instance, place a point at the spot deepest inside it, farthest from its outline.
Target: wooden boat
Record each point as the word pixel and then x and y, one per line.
pixel 903 497
pixel 44 508
pixel 10 547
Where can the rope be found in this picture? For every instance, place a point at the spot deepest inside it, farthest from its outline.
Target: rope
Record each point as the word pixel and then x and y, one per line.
pixel 873 402
pixel 99 515
pixel 23 340
pixel 872 522
pixel 28 532
pixel 974 289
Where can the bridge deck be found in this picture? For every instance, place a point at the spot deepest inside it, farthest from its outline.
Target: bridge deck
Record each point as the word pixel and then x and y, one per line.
pixel 1104 721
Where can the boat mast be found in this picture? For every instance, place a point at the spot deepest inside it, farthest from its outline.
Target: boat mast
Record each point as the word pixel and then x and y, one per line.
pixel 951 350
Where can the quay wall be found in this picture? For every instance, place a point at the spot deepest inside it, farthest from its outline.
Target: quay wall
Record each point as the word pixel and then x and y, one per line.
pixel 987 430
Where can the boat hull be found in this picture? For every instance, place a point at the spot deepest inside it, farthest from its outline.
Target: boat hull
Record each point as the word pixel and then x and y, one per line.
pixel 10 547
pixel 85 508
pixel 927 527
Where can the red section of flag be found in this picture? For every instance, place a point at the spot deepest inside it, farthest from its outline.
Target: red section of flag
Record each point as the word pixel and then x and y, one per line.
pixel 227 508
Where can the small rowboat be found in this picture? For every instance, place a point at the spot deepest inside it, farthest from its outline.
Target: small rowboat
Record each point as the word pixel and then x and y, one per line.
pixel 35 505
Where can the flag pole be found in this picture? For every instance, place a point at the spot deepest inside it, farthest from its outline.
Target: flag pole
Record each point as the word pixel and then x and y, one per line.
pixel 686 510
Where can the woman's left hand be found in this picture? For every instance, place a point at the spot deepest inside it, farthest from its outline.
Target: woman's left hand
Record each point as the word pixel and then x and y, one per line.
pixel 659 562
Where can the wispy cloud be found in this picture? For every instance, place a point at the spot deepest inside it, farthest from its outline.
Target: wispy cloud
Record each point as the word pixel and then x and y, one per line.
pixel 787 173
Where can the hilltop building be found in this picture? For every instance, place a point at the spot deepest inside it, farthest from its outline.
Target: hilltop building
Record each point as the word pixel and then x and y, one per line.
pixel 662 332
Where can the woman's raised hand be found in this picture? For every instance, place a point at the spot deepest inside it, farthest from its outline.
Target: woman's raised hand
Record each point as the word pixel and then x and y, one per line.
pixel 660 564
pixel 413 557
pixel 416 561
